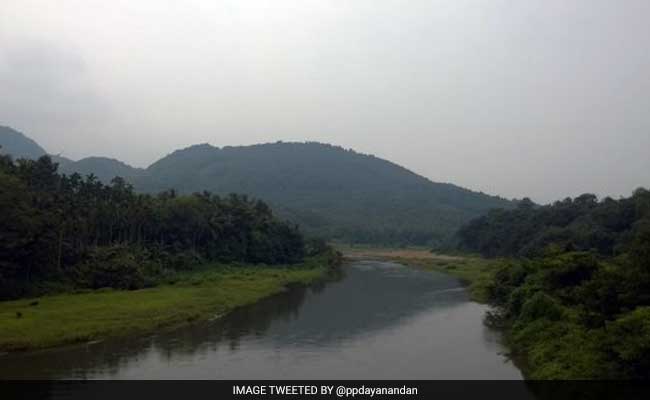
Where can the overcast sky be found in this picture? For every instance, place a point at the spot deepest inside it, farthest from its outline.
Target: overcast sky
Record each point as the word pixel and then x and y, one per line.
pixel 539 98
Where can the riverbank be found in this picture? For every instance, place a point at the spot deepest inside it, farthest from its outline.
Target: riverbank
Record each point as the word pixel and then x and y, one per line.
pixel 410 316
pixel 474 272
pixel 549 319
pixel 208 292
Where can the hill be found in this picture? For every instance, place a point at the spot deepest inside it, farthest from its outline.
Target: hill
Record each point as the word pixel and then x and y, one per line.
pixel 18 145
pixel 329 191
pixel 105 169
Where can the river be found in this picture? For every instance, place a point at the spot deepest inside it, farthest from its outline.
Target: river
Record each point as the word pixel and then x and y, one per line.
pixel 381 320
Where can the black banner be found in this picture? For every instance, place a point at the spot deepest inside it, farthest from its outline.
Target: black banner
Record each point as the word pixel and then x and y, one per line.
pixel 380 390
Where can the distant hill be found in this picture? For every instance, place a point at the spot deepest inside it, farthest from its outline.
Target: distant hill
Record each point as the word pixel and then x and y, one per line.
pixel 330 191
pixel 18 145
pixel 105 169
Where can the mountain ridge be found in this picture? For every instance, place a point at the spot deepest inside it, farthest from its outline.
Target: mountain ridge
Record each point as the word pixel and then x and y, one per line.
pixel 18 145
pixel 330 191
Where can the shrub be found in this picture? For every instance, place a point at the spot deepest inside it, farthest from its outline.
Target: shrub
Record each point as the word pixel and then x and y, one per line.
pixel 541 306
pixel 632 343
pixel 115 267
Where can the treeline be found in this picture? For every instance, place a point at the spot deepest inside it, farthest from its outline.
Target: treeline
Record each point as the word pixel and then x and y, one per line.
pixel 68 230
pixel 605 227
pixel 574 292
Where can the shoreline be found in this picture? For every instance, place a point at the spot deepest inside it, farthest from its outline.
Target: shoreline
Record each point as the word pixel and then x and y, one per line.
pixel 473 272
pixel 67 319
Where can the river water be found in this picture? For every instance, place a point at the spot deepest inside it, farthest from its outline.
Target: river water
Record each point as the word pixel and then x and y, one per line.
pixel 380 320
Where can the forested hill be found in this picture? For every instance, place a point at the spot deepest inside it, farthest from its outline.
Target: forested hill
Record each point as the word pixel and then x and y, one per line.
pixel 105 169
pixel 330 191
pixel 18 145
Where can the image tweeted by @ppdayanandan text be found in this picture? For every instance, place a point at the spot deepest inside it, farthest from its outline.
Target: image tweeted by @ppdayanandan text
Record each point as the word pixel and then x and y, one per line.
pixel 325 390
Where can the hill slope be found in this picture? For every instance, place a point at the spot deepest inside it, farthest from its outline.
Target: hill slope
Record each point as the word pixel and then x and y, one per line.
pixel 105 169
pixel 18 145
pixel 330 191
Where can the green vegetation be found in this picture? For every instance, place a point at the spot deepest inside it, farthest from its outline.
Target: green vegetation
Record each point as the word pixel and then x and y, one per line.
pixel 329 191
pixel 108 261
pixel 64 232
pixel 475 272
pixel 573 316
pixel 205 293
pixel 604 227
pixel 577 306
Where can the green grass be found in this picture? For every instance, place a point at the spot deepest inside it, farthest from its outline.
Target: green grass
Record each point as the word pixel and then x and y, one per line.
pixel 190 296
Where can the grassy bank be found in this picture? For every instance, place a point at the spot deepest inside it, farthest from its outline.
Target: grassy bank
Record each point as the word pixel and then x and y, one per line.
pixel 197 295
pixel 475 272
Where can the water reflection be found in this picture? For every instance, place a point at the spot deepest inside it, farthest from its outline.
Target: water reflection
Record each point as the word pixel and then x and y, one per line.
pixel 381 321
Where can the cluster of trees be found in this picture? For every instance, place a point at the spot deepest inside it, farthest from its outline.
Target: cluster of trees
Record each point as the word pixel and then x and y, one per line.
pixel 574 292
pixel 605 227
pixel 577 316
pixel 59 229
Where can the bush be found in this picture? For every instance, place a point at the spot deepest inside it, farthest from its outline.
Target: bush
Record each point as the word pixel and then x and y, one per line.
pixel 569 270
pixel 115 267
pixel 505 280
pixel 541 306
pixel 632 343
pixel 316 246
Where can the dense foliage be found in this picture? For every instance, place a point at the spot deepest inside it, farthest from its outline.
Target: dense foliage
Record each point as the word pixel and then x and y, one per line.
pixel 605 227
pixel 69 230
pixel 329 191
pixel 574 316
pixel 578 304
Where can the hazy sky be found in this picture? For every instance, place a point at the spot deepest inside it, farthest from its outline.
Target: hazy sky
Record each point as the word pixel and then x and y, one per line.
pixel 539 98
